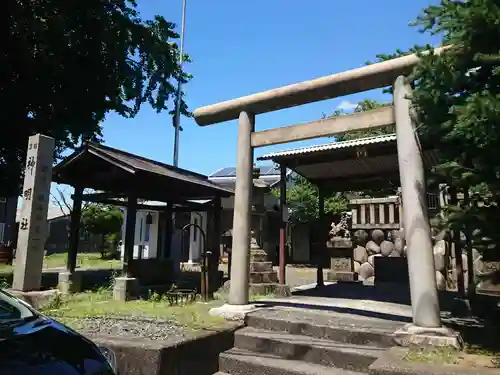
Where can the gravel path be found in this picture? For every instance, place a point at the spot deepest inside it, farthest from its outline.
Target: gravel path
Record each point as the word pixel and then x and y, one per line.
pixel 144 328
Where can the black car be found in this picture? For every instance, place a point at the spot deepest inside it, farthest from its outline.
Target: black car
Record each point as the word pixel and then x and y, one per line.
pixel 32 344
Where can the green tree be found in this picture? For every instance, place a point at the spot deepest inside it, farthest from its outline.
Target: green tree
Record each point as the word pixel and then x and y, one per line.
pixel 105 221
pixel 66 65
pixel 302 200
pixel 457 105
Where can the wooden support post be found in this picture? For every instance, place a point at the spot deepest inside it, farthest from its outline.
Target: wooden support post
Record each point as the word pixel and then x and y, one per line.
pixel 457 245
pixel 74 229
pixel 129 235
pixel 471 287
pixel 282 254
pixel 169 231
pixel 320 282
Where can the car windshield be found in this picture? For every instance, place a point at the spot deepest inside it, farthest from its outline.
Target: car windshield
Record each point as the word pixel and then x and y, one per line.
pixel 12 310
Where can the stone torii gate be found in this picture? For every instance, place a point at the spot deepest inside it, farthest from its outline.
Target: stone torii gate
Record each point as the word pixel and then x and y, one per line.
pixel 424 296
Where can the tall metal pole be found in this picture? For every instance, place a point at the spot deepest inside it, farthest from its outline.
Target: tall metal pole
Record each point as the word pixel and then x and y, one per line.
pixel 179 89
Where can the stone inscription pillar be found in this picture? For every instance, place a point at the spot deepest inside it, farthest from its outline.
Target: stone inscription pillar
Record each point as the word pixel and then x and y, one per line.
pixel 240 262
pixel 424 295
pixel 33 221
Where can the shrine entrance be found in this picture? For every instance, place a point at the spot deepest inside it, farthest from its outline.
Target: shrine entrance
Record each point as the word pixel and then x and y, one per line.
pixel 424 296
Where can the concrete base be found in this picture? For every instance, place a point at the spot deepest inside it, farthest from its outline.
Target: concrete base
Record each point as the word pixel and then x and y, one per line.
pixel 37 299
pixel 125 289
pixel 70 282
pixel 341 276
pixel 411 335
pixel 232 312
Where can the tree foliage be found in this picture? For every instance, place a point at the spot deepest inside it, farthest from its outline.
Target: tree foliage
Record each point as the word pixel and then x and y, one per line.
pixel 102 220
pixel 302 201
pixel 457 106
pixel 65 65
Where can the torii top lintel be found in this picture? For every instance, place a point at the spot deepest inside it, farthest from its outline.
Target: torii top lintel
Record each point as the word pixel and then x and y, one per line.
pixel 345 83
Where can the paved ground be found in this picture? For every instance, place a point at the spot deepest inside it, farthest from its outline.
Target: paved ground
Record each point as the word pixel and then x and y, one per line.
pixel 295 276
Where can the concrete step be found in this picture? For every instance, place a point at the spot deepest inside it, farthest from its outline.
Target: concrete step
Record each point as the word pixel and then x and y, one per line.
pixel 242 362
pixel 307 349
pixel 330 326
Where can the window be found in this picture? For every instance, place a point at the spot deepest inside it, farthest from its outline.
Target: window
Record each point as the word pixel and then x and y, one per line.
pixel 140 229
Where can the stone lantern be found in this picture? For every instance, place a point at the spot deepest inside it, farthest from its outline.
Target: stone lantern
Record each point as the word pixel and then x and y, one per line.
pixel 263 278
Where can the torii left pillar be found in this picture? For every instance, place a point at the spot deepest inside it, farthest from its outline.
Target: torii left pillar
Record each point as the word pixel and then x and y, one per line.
pixel 238 304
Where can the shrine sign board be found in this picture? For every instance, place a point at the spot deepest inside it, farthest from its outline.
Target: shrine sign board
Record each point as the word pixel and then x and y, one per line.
pixel 33 225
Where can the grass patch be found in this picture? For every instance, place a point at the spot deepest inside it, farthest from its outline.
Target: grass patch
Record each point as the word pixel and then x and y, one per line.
pixel 83 260
pixel 471 356
pixel 433 355
pixel 192 316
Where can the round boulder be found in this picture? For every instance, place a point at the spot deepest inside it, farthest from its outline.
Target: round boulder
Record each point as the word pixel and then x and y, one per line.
pixel 372 248
pixel 440 281
pixel 465 264
pixel 397 233
pixel 366 270
pixel 479 266
pixel 442 235
pixel 370 280
pixel 360 237
pixel 439 262
pixel 399 245
pixel 378 236
pixel 475 254
pixel 386 248
pixel 360 254
pixel 440 248
pixel 371 259
pixel 357 265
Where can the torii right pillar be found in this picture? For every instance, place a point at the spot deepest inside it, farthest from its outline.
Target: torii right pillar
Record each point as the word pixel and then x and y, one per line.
pixel 426 327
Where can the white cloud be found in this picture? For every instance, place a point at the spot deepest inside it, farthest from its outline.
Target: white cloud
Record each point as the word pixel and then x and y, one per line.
pixel 347 106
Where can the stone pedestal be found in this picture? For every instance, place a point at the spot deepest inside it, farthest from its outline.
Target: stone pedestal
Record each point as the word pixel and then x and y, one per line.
pixel 70 282
pixel 340 251
pixel 125 289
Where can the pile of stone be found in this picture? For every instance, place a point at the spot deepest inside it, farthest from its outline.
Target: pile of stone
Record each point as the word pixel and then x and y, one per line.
pixel 372 244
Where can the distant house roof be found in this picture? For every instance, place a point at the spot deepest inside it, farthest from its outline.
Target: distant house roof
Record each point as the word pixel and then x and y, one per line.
pixel 53 212
pixel 227 176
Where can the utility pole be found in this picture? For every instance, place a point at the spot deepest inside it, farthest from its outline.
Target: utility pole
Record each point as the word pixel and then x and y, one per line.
pixel 179 89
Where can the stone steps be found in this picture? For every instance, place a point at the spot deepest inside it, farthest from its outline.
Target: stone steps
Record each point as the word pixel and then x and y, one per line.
pixel 243 362
pixel 342 329
pixel 293 341
pixel 307 349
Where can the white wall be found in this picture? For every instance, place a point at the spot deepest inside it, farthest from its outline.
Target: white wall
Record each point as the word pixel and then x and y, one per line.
pixel 150 247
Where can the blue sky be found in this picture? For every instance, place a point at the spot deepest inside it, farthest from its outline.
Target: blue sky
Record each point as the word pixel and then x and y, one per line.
pixel 243 47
